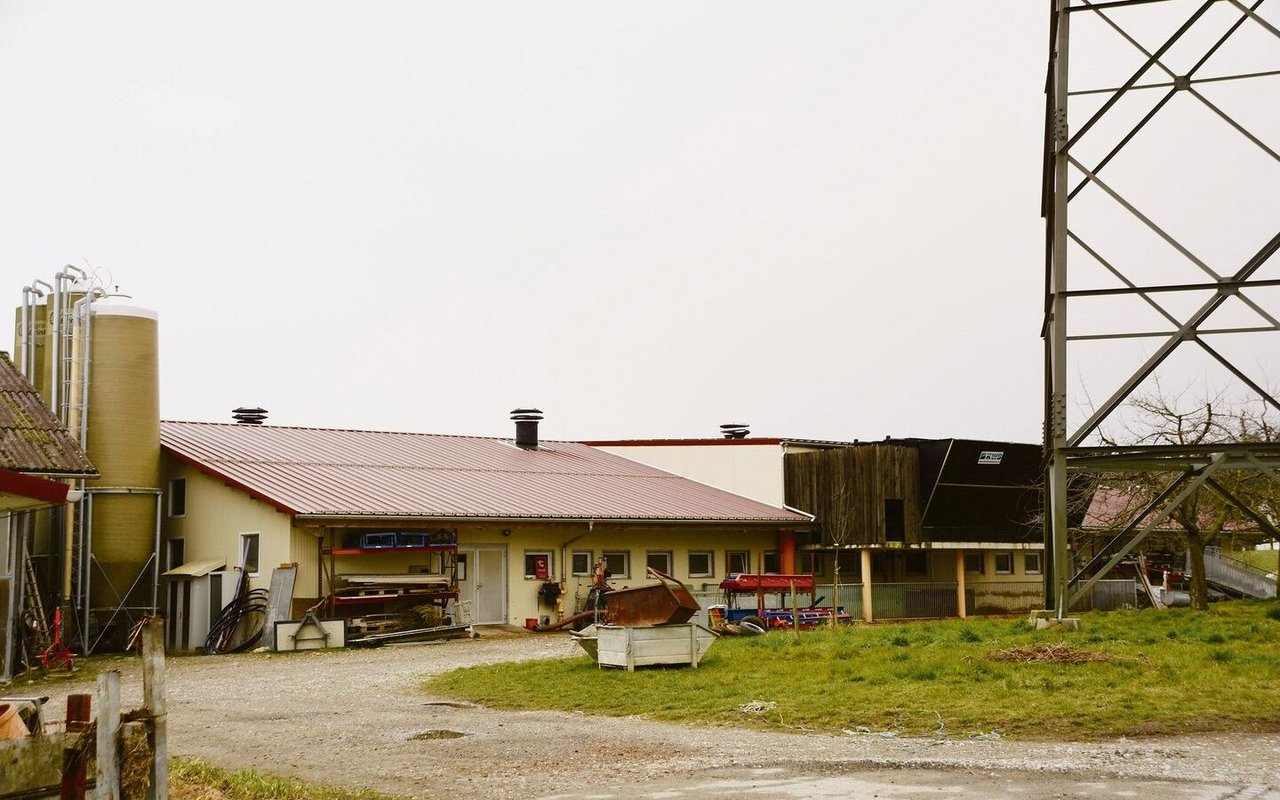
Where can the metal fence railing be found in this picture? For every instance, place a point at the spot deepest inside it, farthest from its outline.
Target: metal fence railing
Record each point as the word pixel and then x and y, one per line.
pixel 1236 575
pixel 1109 595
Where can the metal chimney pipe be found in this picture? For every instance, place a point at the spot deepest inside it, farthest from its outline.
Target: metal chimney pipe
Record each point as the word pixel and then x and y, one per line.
pixel 526 420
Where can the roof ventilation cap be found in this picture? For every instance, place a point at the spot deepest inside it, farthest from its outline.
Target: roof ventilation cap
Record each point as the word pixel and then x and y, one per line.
pixel 734 430
pixel 249 416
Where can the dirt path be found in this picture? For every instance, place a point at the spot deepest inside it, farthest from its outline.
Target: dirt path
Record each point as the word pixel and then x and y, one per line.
pixel 350 718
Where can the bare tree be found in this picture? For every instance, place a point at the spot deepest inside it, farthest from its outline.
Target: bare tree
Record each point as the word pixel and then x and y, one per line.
pixel 1231 500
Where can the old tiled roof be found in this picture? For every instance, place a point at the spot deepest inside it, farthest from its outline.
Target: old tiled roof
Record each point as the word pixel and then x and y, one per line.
pixel 339 473
pixel 31 438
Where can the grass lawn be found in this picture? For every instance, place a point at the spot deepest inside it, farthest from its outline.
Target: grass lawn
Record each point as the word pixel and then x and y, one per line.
pixel 190 779
pixel 1262 559
pixel 1169 671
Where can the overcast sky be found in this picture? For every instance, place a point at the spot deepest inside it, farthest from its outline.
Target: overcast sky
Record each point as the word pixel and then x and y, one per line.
pixel 646 219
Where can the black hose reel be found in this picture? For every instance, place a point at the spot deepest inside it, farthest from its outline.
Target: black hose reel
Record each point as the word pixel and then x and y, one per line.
pixel 549 592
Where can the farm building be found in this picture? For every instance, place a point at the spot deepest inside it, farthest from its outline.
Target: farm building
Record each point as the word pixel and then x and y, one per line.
pixel 489 528
pixel 36 454
pixel 912 525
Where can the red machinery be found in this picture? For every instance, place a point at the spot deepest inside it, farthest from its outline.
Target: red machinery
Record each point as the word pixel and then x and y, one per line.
pixel 56 655
pixel 741 583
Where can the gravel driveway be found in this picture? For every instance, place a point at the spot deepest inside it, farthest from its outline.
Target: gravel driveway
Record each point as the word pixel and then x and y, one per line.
pixel 351 717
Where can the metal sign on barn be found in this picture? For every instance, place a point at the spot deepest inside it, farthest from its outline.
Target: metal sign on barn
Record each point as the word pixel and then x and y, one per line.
pixel 991 457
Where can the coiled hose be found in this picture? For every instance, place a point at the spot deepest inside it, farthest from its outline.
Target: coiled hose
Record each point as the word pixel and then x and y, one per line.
pixel 239 626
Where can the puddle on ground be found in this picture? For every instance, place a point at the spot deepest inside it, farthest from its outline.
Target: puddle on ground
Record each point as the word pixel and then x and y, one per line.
pixel 450 704
pixel 441 734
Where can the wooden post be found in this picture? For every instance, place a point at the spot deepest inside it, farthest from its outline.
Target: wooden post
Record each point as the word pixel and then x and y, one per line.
pixel 107 773
pixel 795 608
pixel 960 584
pixel 760 585
pixel 73 766
pixel 867 616
pixel 153 697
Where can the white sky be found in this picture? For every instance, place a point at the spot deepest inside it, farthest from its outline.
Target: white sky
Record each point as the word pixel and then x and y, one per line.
pixel 646 219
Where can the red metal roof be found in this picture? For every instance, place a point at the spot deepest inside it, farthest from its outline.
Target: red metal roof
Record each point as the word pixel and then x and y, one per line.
pixel 31 438
pixel 338 473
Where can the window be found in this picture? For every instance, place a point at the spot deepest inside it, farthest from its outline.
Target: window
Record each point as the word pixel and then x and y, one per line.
pixel 249 553
pixel 177 553
pixel 737 561
pixel 460 566
pixel 973 562
pixel 895 521
pixel 812 563
pixel 617 563
pixel 1031 563
pixel 581 562
pixel 178 497
pixel 1004 563
pixel 849 562
pixel 916 564
pixel 771 561
pixel 701 564
pixel 538 565
pixel 659 560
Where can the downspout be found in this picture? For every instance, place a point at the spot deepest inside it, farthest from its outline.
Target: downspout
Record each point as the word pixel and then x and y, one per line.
pixel 82 315
pixel 564 546
pixel 31 345
pixel 61 292
pixel 27 331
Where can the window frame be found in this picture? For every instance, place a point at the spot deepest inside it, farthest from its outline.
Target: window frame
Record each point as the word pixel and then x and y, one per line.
pixel 895 512
pixel 573 563
pixel 257 553
pixel 728 562
pixel 176 498
pixel 626 562
pixel 532 575
pixel 178 545
pixel 710 571
pixel 668 555
pixel 775 557
pixel 982 562
pixel 1027 569
pixel 996 558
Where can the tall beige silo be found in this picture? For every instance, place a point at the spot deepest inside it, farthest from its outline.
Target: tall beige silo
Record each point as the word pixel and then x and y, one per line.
pixel 123 442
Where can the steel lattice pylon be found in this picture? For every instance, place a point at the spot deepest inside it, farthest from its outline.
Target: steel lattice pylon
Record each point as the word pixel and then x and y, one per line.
pixel 1183 51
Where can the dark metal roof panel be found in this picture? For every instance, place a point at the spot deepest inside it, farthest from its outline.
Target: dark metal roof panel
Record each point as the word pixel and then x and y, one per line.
pixel 981 490
pixel 31 438
pixel 324 472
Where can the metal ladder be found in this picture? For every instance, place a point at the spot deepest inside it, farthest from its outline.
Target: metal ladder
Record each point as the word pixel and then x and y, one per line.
pixel 33 610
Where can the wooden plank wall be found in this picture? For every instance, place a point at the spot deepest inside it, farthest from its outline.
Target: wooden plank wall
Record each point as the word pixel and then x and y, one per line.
pixel 846 489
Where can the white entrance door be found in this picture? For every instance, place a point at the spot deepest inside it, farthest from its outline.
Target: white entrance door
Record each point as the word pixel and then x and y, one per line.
pixel 482 581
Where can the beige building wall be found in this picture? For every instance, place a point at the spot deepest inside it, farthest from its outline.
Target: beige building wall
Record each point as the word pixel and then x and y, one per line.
pixel 751 470
pixel 216 515
pixel 637 541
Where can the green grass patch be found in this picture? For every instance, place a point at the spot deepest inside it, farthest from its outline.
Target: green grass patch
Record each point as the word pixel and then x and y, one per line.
pixel 1125 673
pixel 191 779
pixel 1261 559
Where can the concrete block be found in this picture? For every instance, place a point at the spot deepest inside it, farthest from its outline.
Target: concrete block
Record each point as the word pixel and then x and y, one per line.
pixel 1067 623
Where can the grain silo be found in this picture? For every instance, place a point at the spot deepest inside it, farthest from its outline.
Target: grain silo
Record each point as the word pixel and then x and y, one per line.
pixel 122 439
pixel 94 359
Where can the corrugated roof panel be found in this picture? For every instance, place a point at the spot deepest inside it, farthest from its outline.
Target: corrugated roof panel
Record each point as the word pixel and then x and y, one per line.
pixel 31 438
pixel 374 473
